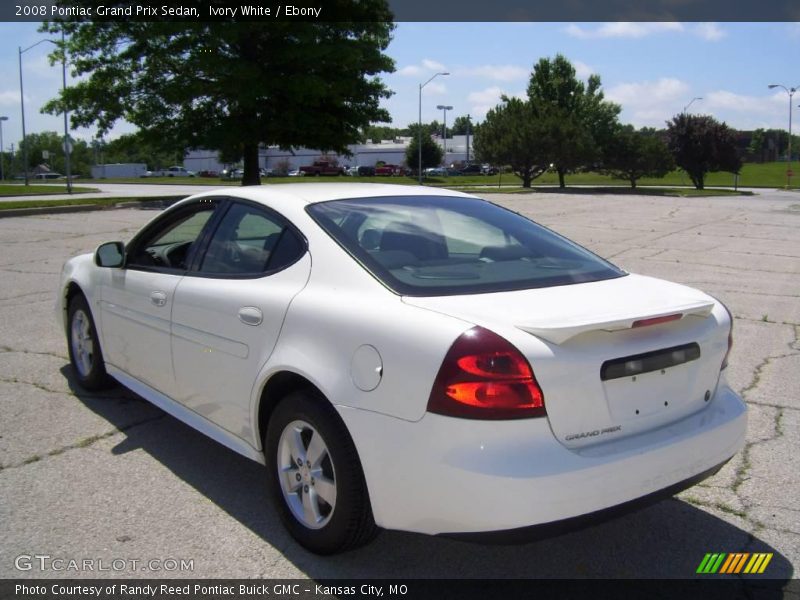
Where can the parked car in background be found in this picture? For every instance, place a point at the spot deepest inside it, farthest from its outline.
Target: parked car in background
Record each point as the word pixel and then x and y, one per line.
pixel 49 176
pixel 473 169
pixel 435 171
pixel 322 167
pixel 387 170
pixel 489 170
pixel 409 358
pixel 174 171
pixel 295 173
pixel 208 173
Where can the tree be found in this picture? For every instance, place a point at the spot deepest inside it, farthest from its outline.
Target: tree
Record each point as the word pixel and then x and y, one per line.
pixel 461 125
pixel 231 85
pixel 432 153
pixel 632 154
pixel 512 134
pixel 581 121
pixel 135 148
pixel 700 144
pixel 52 143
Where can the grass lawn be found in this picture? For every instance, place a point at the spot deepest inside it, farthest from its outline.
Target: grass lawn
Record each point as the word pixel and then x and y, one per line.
pixel 647 191
pixel 13 204
pixel 19 189
pixel 770 175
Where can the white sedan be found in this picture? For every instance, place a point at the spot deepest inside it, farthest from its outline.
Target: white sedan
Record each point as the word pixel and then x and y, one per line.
pixel 409 358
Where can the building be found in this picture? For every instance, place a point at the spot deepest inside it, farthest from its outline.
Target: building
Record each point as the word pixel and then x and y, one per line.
pixel 391 152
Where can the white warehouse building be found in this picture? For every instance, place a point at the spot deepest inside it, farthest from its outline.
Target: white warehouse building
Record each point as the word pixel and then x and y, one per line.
pixel 391 152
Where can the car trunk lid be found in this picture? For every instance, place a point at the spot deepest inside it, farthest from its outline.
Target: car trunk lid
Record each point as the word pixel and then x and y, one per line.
pixel 614 357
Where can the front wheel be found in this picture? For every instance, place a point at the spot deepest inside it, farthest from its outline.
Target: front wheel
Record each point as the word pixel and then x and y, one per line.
pixel 315 476
pixel 84 346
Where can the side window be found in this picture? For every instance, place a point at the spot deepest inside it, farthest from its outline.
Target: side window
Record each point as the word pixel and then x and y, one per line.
pixel 168 244
pixel 250 241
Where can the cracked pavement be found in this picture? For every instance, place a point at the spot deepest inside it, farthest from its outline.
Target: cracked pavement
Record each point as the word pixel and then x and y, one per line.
pixel 107 476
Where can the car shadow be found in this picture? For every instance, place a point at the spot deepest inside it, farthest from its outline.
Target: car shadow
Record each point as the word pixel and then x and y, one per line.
pixel 664 541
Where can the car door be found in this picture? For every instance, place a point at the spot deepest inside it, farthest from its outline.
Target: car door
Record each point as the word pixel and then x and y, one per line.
pixel 136 301
pixel 229 309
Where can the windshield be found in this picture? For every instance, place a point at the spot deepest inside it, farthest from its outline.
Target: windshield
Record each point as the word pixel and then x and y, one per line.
pixel 438 245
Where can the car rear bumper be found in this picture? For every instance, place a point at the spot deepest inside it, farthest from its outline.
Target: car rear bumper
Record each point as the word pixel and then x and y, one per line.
pixel 443 475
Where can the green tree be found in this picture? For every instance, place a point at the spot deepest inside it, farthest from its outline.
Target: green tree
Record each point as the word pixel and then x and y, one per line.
pixel 580 121
pixel 231 86
pixel 512 134
pixel 135 148
pixel 700 144
pixel 432 153
pixel 632 154
pixel 461 125
pixel 52 144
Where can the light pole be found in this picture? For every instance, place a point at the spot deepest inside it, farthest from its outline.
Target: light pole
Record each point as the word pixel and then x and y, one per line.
pixel 444 110
pixel 685 108
pixel 468 124
pixel 2 150
pixel 22 109
pixel 419 131
pixel 791 92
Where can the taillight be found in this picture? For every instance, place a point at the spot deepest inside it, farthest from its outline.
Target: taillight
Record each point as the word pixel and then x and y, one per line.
pixel 484 377
pixel 730 338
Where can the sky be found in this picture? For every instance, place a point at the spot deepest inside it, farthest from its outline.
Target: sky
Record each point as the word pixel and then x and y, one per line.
pixel 653 70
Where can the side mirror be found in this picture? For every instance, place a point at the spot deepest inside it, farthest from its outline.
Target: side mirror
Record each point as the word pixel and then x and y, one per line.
pixel 110 254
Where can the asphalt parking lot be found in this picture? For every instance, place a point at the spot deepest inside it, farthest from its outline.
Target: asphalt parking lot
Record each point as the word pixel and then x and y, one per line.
pixel 88 476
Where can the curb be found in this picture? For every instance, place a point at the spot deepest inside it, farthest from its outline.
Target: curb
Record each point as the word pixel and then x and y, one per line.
pixel 49 210
pixel 155 202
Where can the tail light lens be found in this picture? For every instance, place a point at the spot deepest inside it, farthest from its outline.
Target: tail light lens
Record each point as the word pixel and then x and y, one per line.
pixel 484 377
pixel 730 338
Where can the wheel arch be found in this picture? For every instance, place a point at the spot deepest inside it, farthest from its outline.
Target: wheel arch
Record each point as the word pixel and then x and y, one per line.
pixel 277 387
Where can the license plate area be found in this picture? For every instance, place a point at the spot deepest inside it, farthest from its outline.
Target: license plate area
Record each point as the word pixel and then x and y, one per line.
pixel 647 362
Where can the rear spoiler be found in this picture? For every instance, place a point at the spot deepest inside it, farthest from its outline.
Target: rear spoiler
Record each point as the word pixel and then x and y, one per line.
pixel 559 332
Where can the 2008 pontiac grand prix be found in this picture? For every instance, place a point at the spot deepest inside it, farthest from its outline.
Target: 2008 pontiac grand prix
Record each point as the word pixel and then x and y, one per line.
pixel 409 358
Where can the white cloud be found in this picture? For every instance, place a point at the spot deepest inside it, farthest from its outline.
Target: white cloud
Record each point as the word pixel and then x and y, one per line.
pixel 10 98
pixel 495 72
pixel 427 65
pixel 623 29
pixel 774 105
pixel 409 70
pixel 484 100
pixel 432 65
pixel 709 31
pixel 582 70
pixel 650 103
pixel 435 88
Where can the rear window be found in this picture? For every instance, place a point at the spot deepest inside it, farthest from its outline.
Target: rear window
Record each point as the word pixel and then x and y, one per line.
pixel 439 245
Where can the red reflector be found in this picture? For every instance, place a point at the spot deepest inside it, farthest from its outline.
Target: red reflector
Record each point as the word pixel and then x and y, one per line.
pixel 656 320
pixel 484 377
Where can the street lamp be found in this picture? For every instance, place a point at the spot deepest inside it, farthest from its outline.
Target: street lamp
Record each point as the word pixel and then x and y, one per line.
pixel 791 92
pixel 685 108
pixel 2 149
pixel 419 131
pixel 444 110
pixel 22 110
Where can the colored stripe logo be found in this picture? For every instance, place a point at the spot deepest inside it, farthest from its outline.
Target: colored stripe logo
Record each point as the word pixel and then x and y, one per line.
pixel 734 563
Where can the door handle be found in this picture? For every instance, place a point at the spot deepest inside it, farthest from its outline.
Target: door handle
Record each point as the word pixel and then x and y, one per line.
pixel 158 298
pixel 250 315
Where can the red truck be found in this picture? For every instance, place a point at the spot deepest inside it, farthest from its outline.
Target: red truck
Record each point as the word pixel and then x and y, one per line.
pixel 389 170
pixel 321 167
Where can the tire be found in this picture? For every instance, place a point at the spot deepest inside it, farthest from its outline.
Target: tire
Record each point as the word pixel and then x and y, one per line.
pixel 324 522
pixel 84 346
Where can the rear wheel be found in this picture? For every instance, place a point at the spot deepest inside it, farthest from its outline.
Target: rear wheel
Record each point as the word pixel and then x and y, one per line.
pixel 84 346
pixel 315 476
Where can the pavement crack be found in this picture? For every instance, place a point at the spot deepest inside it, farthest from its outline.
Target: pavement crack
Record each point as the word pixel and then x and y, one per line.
pixel 82 443
pixel 9 350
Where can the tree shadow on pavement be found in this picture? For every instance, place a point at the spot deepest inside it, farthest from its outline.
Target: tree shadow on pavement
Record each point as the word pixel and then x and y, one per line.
pixel 664 541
